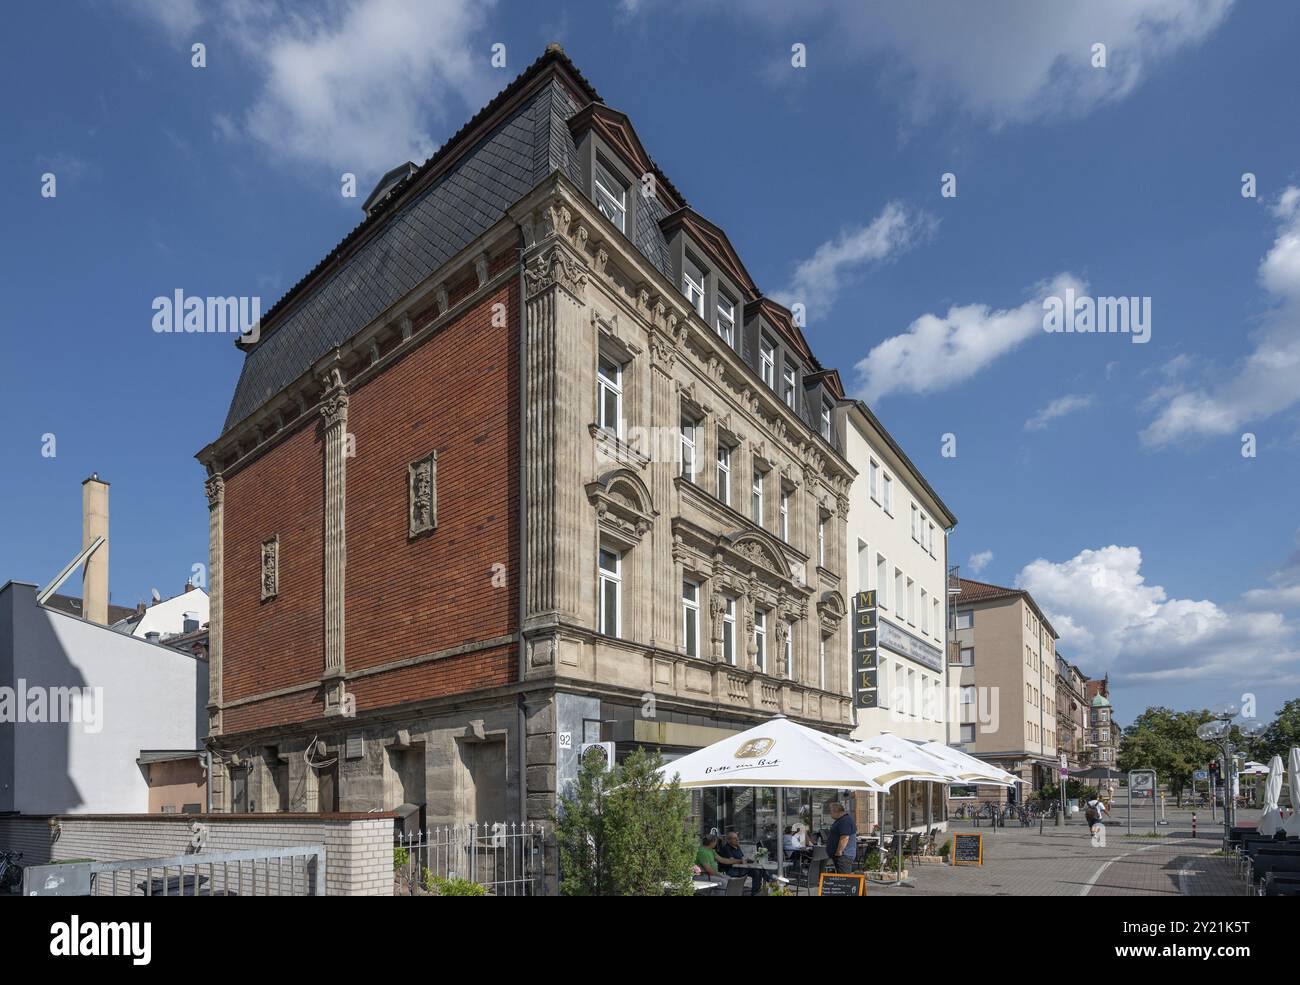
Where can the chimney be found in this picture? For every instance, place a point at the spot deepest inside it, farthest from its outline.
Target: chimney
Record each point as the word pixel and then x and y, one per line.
pixel 94 523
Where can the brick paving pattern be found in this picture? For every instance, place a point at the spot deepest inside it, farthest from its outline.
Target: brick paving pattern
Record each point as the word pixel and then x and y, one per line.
pixel 1063 862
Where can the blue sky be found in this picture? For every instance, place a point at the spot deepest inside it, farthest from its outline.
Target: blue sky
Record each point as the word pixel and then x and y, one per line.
pixel 1105 476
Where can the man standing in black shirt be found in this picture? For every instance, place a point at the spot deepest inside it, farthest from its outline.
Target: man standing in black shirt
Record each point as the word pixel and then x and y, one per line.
pixel 841 838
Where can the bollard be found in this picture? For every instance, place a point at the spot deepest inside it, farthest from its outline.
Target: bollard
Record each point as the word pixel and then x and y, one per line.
pixel 1193 824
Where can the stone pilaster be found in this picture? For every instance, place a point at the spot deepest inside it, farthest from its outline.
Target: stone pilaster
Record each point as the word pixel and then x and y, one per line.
pixel 664 406
pixel 334 412
pixel 555 281
pixel 215 487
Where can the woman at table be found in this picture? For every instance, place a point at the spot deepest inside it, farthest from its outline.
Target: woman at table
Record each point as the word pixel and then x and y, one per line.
pixel 794 839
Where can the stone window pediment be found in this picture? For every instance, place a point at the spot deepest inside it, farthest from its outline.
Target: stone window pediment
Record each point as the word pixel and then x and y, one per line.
pixel 831 609
pixel 624 508
pixel 761 553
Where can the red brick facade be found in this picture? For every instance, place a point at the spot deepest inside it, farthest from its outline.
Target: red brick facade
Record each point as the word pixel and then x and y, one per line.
pixel 457 393
pixel 277 643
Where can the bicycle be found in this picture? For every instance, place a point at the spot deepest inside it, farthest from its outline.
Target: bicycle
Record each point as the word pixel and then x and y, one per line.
pixel 11 873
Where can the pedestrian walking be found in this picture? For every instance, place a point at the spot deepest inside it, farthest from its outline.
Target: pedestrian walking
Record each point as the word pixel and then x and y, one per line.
pixel 1095 814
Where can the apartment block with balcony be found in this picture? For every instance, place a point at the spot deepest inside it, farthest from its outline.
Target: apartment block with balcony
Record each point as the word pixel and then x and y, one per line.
pixel 1005 672
pixel 1072 717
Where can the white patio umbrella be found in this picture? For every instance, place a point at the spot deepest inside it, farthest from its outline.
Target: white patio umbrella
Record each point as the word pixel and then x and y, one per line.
pixel 1271 820
pixel 1292 825
pixel 971 769
pixel 781 753
pixel 910 760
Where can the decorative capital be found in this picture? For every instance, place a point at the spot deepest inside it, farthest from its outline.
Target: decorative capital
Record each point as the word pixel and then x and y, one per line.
pixel 334 404
pixel 663 352
pixel 334 408
pixel 215 487
pixel 554 269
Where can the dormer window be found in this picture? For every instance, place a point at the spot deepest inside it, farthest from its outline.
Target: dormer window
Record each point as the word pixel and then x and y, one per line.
pixel 693 286
pixel 787 386
pixel 826 421
pixel 767 362
pixel 726 319
pixel 611 196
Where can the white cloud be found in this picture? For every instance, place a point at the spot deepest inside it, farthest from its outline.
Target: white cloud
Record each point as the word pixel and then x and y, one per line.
pixel 1285 590
pixel 178 19
pixel 1109 617
pixel 817 280
pixel 1059 408
pixel 938 351
pixel 1263 382
pixel 355 86
pixel 978 562
pixel 1010 62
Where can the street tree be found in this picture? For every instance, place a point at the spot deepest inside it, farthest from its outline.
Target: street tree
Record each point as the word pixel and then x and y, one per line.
pixel 1164 740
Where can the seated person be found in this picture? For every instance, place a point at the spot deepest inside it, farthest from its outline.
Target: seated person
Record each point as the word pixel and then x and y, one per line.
pixel 793 841
pixel 730 857
pixel 706 857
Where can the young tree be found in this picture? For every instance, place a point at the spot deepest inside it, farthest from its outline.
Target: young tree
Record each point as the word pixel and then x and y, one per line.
pixel 580 831
pixel 624 832
pixel 651 849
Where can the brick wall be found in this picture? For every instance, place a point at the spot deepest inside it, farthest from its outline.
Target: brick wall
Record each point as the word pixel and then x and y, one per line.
pixel 457 393
pixel 358 849
pixel 279 642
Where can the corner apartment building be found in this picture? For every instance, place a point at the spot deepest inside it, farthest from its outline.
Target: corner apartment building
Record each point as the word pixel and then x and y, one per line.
pixel 527 461
pixel 897 576
pixel 1005 670
pixel 1104 733
pixel 1072 718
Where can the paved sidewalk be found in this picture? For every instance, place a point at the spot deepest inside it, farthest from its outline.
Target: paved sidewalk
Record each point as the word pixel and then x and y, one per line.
pixel 1062 862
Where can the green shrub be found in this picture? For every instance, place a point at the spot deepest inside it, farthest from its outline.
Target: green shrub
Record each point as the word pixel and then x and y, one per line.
pixel 452 887
pixel 945 849
pixel 401 858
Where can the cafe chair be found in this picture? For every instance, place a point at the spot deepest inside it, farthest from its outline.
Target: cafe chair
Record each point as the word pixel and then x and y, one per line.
pixel 816 862
pixel 736 886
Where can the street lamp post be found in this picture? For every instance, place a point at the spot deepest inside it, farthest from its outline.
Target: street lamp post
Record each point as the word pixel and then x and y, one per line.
pixel 1218 732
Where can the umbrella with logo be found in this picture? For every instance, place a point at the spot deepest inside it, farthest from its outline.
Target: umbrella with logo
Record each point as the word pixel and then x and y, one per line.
pixel 780 753
pixel 1271 820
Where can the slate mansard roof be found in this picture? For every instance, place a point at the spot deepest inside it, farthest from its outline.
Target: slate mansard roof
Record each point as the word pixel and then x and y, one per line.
pixel 467 186
pixel 515 142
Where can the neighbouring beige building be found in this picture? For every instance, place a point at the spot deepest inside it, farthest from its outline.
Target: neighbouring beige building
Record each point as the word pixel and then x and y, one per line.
pixel 1004 665
pixel 897 560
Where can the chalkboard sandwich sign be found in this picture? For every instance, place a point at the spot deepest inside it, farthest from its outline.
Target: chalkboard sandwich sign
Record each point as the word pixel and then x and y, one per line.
pixel 967 849
pixel 842 884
